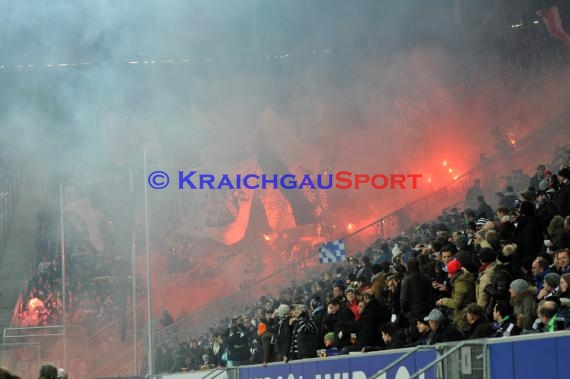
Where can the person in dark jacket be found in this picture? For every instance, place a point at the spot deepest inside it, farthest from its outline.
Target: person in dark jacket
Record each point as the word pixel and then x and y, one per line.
pixel 392 336
pixel 498 289
pixel 562 196
pixel 479 327
pixel 267 344
pixel 305 339
pixel 503 315
pixel 284 330
pixel 237 339
pixel 372 316
pixel 340 320
pixel 441 329
pixel 416 298
pixel 528 235
pixel 484 209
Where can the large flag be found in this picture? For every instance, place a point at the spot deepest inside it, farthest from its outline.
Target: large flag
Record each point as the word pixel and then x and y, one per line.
pixel 332 252
pixel 219 214
pixel 271 164
pixel 82 215
pixel 553 23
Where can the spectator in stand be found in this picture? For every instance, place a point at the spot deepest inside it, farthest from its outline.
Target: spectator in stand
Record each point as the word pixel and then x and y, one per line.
pixel 550 321
pixel 528 235
pixel 372 316
pixel 166 319
pixel 441 328
pixel 305 338
pixel 498 289
pixel 562 262
pixel 540 268
pixel 523 302
pixel 537 177
pixel 237 339
pixel 545 209
pixel 472 194
pixel 378 283
pixel 392 336
pixel 486 274
pixel 484 209
pixel 462 294
pixel 555 232
pixel 509 199
pixel 5 374
pixel 546 183
pixel 385 254
pixel 479 327
pixel 562 196
pixel 423 332
pixel 352 301
pixel 284 332
pixel 48 372
pixel 267 343
pixel 340 320
pixel 416 297
pixel 503 315
pixel 550 286
pixel 331 348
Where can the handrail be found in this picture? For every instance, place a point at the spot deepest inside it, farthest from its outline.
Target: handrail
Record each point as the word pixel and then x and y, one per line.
pixel 402 358
pixel 217 371
pixel 447 354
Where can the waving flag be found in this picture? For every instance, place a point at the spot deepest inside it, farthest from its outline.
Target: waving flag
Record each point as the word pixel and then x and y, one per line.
pixel 332 252
pixel 553 22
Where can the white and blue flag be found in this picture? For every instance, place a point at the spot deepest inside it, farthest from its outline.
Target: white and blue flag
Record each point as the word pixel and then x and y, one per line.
pixel 332 252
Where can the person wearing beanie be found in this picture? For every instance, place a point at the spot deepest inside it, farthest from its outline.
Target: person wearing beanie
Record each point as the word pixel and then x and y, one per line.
pixel 267 343
pixel 523 302
pixel 423 331
pixel 331 348
pixel 498 289
pixel 486 274
pixel 352 301
pixel 462 294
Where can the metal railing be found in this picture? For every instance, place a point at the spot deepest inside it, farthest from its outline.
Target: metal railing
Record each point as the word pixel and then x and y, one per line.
pixel 401 359
pixel 451 368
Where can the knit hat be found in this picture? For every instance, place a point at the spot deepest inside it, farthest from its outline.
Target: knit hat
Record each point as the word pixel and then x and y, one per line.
pixel 283 310
pixel 519 285
pixel 261 328
pixel 350 289
pixel 330 336
pixel 453 267
pixel 552 279
pixel 481 221
pixel 487 255
pixel 506 255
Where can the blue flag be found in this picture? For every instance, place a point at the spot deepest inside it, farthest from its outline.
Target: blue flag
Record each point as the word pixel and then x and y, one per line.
pixel 332 252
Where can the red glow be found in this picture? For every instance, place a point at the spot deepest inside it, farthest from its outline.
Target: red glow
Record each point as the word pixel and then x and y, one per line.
pixel 429 180
pixel 513 142
pixel 267 237
pixel 350 227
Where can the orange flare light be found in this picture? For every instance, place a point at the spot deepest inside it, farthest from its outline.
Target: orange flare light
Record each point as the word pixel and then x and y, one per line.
pixel 350 226
pixel 444 163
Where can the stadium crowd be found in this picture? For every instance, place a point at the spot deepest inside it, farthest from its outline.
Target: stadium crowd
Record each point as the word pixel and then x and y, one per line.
pixel 483 272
